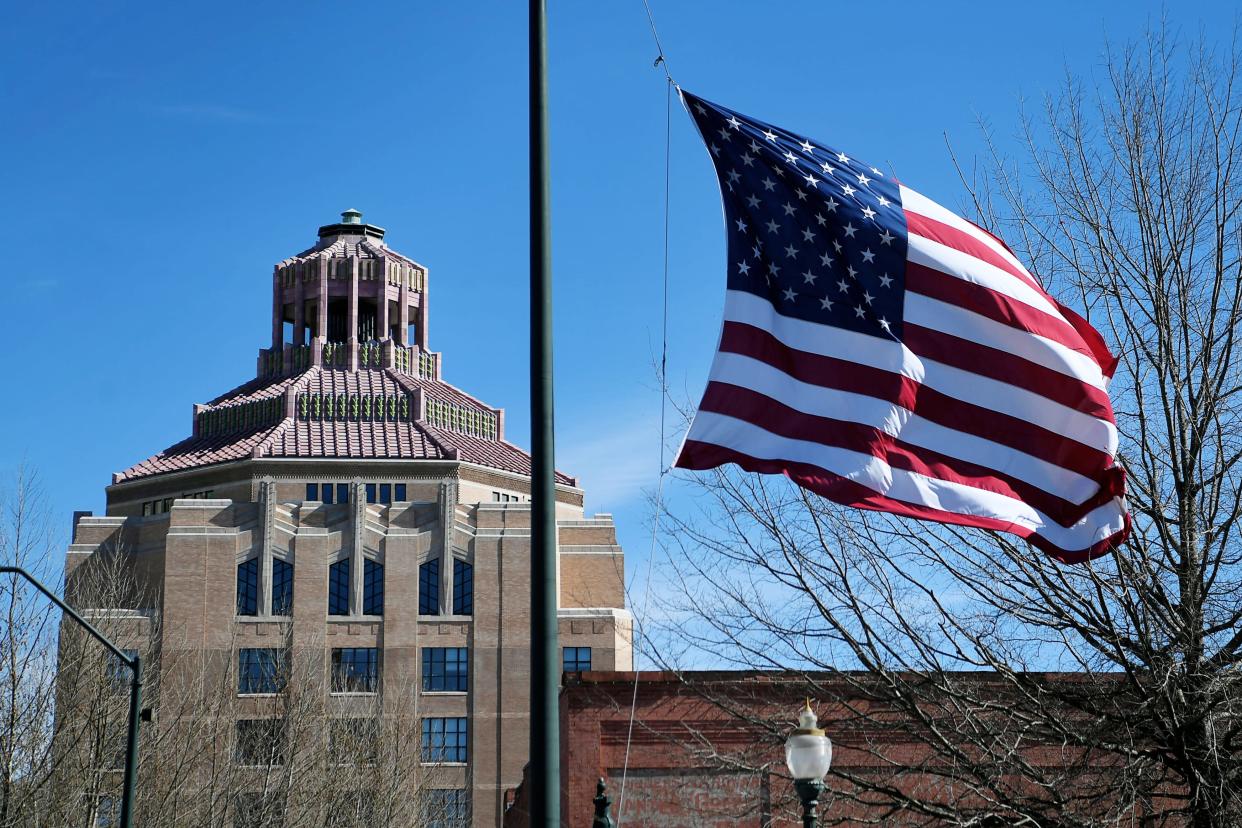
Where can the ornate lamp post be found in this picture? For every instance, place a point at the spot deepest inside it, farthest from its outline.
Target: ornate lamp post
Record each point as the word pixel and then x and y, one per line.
pixel 808 755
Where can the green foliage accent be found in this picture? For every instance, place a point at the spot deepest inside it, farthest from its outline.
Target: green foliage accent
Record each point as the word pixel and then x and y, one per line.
pixel 240 416
pixel 468 420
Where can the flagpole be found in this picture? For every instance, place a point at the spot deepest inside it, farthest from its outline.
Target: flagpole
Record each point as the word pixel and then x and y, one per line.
pixel 545 743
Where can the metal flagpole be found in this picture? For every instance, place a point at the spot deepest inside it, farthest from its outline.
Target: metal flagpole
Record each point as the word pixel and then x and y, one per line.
pixel 545 743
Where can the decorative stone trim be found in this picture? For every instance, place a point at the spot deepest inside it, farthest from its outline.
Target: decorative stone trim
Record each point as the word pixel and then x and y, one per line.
pixel 287 360
pixel 240 417
pixel 370 355
pixel 355 407
pixel 472 421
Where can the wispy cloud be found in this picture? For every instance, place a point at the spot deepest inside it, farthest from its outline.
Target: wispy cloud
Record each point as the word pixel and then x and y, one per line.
pixel 616 457
pixel 211 112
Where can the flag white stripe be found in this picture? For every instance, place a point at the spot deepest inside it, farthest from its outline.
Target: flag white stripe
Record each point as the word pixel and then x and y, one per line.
pixel 905 486
pixel 909 427
pixel 953 262
pixel 975 327
pixel 915 202
pixel 829 340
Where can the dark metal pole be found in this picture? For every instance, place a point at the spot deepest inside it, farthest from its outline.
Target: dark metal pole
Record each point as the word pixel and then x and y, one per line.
pixel 809 791
pixel 134 663
pixel 545 743
pixel 131 744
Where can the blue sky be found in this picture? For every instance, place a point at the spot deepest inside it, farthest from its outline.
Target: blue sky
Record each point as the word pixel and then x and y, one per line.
pixel 160 158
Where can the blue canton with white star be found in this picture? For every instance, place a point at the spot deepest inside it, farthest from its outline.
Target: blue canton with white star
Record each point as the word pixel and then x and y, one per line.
pixel 819 234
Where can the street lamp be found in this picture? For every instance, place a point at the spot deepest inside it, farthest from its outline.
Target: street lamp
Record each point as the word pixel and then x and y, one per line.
pixel 134 663
pixel 808 754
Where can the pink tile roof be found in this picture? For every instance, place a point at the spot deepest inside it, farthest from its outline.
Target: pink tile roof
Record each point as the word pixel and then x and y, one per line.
pixel 346 246
pixel 339 439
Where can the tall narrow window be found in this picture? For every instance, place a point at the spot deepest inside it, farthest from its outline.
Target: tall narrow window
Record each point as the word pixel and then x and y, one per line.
pixel 372 588
pixel 385 493
pixel 248 587
pixel 355 669
pixel 312 491
pixel 444 740
pixel 325 492
pixel 370 493
pixel 398 492
pixel 463 587
pixel 282 587
pixel 342 492
pixel 429 588
pixel 338 588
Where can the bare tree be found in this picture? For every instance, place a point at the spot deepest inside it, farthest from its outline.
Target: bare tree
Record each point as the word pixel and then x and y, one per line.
pixel 27 646
pixel 285 753
pixel 1105 693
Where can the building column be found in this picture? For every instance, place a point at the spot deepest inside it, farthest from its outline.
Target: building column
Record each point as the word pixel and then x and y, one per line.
pixel 381 299
pixel 403 309
pixel 278 311
pixel 448 518
pixel 356 565
pixel 299 309
pixel 321 321
pixel 423 317
pixel 267 506
pixel 352 321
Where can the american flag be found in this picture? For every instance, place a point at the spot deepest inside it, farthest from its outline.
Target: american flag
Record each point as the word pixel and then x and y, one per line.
pixel 888 354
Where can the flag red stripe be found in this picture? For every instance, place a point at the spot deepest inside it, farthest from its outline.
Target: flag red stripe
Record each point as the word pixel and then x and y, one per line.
pixel 698 455
pixel 950 236
pixel 1003 366
pixel 992 305
pixel 1093 340
pixel 844 375
pixel 778 418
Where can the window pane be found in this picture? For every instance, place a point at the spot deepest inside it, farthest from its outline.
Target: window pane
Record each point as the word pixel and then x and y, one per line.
pixel 120 676
pixel 355 669
pixel 107 812
pixel 463 587
pixel 312 491
pixel 444 808
pixel 429 588
pixel 260 670
pixel 398 492
pixel 326 492
pixel 370 493
pixel 248 587
pixel 259 742
pixel 445 669
pixel 444 740
pixel 282 587
pixel 372 588
pixel 254 810
pixel 352 809
pixel 353 741
pixel 342 492
pixel 338 588
pixel 575 659
pixel 385 493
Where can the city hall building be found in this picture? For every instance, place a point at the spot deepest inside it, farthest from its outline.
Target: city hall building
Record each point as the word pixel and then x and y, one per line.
pixel 348 505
